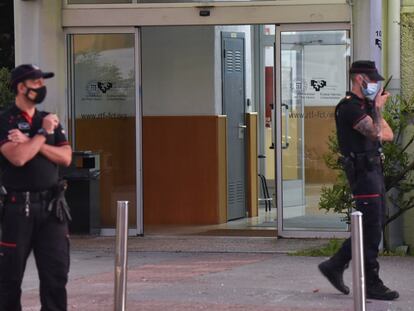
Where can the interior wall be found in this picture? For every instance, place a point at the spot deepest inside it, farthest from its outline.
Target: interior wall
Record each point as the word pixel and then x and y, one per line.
pixel 185 180
pixel 184 150
pixel 178 71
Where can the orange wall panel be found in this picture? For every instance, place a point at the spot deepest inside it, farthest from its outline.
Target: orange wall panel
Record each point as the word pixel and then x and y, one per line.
pixel 182 170
pixel 114 140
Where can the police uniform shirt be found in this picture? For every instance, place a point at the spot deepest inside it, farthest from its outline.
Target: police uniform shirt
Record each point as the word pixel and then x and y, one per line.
pixel 39 173
pixel 348 113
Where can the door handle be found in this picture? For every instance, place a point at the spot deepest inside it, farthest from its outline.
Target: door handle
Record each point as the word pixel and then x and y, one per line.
pixel 285 144
pixel 242 126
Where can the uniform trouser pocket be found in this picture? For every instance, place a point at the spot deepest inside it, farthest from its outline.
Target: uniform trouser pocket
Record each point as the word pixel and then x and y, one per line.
pixel 371 209
pixel 14 249
pixel 8 257
pixel 10 278
pixel 51 251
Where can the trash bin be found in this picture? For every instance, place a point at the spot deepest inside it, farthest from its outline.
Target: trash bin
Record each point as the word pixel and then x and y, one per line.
pixel 82 194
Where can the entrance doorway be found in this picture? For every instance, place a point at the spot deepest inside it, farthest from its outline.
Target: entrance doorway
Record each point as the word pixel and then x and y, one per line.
pixel 313 79
pixel 103 123
pixel 191 109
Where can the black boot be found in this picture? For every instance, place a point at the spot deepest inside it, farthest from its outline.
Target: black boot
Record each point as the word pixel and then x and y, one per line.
pixel 381 292
pixel 334 272
pixel 375 287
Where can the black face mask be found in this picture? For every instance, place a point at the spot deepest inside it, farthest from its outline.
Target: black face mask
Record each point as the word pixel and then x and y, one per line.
pixel 39 94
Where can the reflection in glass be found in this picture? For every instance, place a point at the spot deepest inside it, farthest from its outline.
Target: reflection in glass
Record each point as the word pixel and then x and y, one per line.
pixel 98 1
pixel 314 79
pixel 269 30
pixel 151 1
pixel 104 114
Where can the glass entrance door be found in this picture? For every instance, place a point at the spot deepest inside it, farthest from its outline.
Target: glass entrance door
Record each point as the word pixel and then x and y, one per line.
pixel 104 116
pixel 312 80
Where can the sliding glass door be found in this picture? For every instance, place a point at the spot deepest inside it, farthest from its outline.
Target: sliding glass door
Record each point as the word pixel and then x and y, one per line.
pixel 312 79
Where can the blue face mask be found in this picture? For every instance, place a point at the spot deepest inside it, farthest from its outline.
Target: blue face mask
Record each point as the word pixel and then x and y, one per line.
pixel 370 90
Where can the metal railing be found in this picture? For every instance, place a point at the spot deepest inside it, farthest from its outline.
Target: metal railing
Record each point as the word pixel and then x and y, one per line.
pixel 358 274
pixel 121 256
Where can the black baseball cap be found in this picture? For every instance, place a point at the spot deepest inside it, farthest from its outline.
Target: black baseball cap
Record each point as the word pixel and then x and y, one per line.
pixel 27 72
pixel 366 67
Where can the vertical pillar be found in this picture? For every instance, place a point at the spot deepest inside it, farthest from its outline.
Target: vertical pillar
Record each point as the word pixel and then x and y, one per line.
pixel 367 30
pixel 39 39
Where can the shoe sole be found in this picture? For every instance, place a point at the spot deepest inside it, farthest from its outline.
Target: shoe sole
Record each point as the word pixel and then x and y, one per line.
pixel 383 298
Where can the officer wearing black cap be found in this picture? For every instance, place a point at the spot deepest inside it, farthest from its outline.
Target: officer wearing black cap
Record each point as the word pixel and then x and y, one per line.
pixel 34 212
pixel 361 131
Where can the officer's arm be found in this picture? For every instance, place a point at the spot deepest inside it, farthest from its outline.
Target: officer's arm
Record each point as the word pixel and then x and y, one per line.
pixel 367 128
pixel 61 155
pixel 386 134
pixel 19 154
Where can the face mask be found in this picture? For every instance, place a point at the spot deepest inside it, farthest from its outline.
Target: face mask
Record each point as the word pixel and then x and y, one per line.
pixel 36 95
pixel 370 90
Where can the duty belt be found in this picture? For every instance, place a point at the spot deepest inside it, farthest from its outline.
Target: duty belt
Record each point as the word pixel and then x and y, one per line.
pixel 372 154
pixel 29 196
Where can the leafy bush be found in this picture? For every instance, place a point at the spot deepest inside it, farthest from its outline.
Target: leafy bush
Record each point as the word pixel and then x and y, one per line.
pixel 6 96
pixel 399 183
pixel 325 251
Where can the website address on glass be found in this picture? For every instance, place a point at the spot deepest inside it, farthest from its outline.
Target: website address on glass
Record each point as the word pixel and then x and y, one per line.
pixel 311 115
pixel 103 115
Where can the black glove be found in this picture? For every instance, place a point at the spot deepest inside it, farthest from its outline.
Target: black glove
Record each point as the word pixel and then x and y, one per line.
pixel 1 211
pixel 3 194
pixel 58 204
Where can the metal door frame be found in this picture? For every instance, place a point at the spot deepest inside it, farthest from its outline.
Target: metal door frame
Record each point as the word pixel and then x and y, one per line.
pixel 261 42
pixel 278 131
pixel 139 230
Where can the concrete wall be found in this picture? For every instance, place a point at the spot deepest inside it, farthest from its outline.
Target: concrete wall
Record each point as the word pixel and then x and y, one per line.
pixel 407 90
pixel 181 69
pixel 407 54
pixel 367 18
pixel 178 71
pixel 39 39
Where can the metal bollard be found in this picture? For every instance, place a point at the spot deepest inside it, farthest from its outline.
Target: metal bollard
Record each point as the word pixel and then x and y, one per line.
pixel 121 259
pixel 358 271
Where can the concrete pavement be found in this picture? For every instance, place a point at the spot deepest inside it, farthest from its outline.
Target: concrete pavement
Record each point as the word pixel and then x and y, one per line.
pixel 212 274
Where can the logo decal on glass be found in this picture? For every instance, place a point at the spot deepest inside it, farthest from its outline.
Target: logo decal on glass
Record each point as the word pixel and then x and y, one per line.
pixel 318 84
pixel 104 86
pixel 299 86
pixel 95 88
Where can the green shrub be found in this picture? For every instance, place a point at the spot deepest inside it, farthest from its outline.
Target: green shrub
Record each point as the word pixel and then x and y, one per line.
pixel 398 166
pixel 325 251
pixel 6 96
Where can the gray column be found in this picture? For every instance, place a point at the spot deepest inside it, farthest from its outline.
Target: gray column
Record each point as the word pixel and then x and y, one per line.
pixel 367 30
pixel 39 40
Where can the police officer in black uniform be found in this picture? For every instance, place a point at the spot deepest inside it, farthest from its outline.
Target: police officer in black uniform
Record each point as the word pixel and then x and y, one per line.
pixel 34 213
pixel 360 131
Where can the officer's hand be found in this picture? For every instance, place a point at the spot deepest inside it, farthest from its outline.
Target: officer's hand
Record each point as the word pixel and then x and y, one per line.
pixel 16 136
pixel 381 99
pixel 50 122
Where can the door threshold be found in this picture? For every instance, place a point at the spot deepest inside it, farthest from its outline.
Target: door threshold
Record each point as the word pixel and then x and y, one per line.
pixel 240 232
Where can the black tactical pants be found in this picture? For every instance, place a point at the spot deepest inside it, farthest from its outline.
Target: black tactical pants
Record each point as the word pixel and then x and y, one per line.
pixel 41 232
pixel 369 193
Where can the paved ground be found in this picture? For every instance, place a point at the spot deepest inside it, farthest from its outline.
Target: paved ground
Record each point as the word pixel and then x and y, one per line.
pixel 193 273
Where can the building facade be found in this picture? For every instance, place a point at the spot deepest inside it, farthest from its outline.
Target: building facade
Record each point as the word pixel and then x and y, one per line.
pixel 187 102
